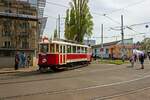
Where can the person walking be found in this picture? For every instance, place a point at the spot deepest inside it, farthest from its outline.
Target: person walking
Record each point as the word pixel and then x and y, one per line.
pixel 135 57
pixel 28 60
pixel 149 56
pixel 141 59
pixel 17 61
pixel 132 60
pixel 23 59
pixel 20 59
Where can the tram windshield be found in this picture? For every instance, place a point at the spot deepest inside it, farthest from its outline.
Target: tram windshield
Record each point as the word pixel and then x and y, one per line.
pixel 44 48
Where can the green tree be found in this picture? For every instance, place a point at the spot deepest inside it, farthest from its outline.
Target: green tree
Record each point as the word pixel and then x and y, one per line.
pixel 145 44
pixel 55 33
pixel 78 22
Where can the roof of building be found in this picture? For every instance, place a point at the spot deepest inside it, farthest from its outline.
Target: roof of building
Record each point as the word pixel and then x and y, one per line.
pixel 113 43
pixel 106 44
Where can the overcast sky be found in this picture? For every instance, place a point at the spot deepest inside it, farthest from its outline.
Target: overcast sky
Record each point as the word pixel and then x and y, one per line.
pixel 134 11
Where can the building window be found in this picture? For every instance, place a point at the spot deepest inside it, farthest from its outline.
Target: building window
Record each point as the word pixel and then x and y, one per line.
pixel 7 3
pixel 7 44
pixel 107 51
pixel 8 11
pixel 24 25
pixel 6 33
pixel 7 27
pixel 25 45
pixel 24 34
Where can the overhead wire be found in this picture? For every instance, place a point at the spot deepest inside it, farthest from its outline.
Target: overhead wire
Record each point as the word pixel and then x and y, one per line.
pixel 56 4
pixel 128 6
pixel 50 16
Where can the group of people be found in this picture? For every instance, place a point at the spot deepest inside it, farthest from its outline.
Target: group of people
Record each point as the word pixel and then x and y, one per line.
pixel 21 60
pixel 141 58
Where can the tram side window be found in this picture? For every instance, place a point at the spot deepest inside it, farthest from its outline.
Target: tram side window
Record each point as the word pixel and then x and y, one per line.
pixel 74 49
pixel 52 50
pixel 44 48
pixel 85 50
pixel 64 49
pixel 82 50
pixel 61 49
pixel 57 48
pixel 68 49
pixel 78 50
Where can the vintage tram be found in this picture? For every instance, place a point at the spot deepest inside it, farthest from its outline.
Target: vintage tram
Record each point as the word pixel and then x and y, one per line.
pixel 59 54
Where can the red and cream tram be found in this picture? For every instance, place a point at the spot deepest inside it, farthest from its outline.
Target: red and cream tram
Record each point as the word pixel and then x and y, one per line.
pixel 57 54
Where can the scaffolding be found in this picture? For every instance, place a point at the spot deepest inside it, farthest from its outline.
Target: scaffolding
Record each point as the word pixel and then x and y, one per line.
pixel 41 6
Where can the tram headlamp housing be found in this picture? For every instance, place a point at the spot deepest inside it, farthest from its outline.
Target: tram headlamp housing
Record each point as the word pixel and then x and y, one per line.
pixel 44 60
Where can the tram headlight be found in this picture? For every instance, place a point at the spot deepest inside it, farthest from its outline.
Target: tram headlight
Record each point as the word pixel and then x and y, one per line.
pixel 44 60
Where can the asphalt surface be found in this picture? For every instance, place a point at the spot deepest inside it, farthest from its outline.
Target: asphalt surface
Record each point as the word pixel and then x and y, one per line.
pixel 94 82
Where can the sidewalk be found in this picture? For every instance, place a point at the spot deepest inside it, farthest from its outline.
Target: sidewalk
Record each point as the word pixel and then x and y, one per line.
pixel 11 70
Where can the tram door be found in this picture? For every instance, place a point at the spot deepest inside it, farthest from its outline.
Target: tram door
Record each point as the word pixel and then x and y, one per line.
pixel 62 56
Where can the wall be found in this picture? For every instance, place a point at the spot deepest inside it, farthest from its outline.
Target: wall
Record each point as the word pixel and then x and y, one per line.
pixel 98 53
pixel 7 62
pixel 114 50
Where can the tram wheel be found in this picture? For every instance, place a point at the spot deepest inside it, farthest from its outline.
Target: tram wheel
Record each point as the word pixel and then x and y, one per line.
pixel 55 68
pixel 58 68
pixel 43 69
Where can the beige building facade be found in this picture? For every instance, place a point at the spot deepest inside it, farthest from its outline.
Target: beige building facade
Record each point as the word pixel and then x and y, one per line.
pixel 19 29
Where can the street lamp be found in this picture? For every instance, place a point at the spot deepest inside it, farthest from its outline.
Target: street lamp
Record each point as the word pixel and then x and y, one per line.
pixel 146 26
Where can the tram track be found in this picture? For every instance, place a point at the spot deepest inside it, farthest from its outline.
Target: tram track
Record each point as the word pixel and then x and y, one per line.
pixel 121 94
pixel 55 78
pixel 52 78
pixel 138 80
pixel 104 97
pixel 32 73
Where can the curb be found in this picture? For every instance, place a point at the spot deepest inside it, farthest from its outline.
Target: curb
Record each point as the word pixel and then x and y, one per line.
pixel 17 71
pixel 7 72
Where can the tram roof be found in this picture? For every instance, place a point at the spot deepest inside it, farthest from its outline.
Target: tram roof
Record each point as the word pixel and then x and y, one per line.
pixel 68 43
pixel 64 43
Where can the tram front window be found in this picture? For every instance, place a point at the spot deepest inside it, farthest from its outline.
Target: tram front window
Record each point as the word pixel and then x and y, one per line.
pixel 44 48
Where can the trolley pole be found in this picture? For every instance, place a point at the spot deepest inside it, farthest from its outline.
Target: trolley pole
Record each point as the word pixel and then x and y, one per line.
pixel 122 35
pixel 102 47
pixel 56 30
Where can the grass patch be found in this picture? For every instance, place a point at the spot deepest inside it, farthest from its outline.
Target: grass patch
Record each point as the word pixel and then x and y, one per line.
pixel 116 62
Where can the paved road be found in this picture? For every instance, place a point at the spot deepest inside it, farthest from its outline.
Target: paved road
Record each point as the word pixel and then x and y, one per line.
pixel 94 82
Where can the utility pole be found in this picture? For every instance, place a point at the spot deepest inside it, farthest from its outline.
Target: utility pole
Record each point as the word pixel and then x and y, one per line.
pixel 122 35
pixel 59 26
pixel 102 47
